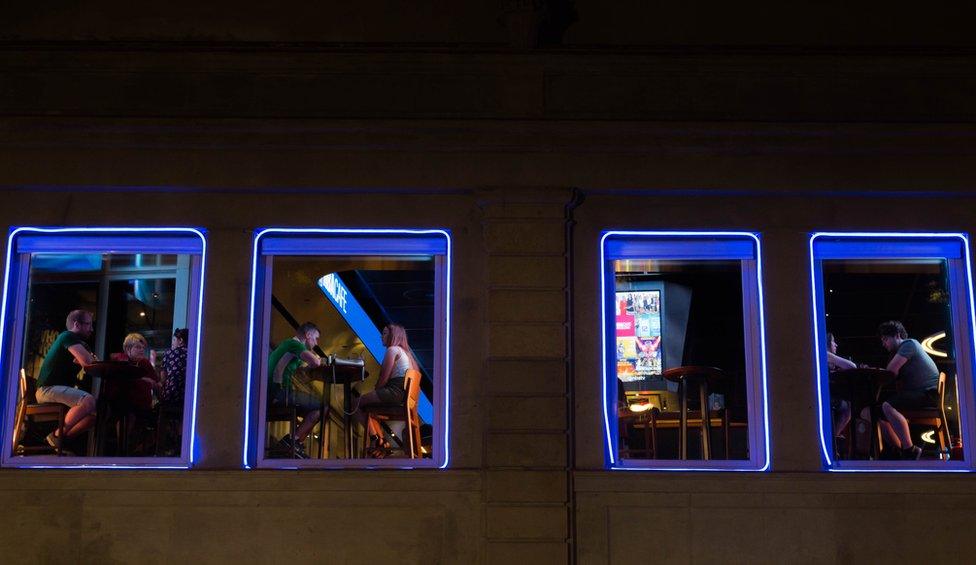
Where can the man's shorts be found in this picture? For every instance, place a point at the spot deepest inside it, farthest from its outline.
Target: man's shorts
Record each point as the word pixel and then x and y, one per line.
pixel 303 401
pixel 908 400
pixel 69 396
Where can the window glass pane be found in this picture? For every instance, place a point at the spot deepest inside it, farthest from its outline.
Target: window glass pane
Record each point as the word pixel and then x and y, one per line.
pixel 134 396
pixel 897 379
pixel 350 300
pixel 140 261
pixel 679 339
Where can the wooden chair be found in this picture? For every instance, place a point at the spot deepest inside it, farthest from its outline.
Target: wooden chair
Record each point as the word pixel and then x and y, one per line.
pixel 934 417
pixel 406 413
pixel 30 411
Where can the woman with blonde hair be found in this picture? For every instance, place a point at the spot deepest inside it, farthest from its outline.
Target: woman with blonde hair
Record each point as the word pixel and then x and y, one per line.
pixel 132 397
pixel 399 358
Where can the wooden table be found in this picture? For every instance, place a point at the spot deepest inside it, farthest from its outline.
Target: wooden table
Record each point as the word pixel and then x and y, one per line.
pixel 860 387
pixel 109 371
pixel 703 377
pixel 338 371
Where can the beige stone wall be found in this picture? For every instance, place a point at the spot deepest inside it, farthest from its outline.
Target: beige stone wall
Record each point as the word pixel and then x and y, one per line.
pixel 525 481
pixel 796 512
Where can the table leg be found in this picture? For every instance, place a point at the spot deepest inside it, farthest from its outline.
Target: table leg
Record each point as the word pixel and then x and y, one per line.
pixel 851 422
pixel 705 423
pixel 683 430
pixel 653 425
pixel 346 419
pixel 323 416
pixel 101 421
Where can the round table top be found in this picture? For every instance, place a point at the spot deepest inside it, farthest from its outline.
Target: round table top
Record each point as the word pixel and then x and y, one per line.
pixel 677 374
pixel 343 373
pixel 869 374
pixel 115 370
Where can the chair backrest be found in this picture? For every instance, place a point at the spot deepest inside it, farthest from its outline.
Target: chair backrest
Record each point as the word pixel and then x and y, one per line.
pixel 412 384
pixel 23 385
pixel 28 388
pixel 942 385
pixel 21 411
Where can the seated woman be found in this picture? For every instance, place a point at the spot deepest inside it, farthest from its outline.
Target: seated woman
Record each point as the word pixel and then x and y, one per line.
pixel 840 407
pixel 390 387
pixel 173 373
pixel 131 399
pixel 172 378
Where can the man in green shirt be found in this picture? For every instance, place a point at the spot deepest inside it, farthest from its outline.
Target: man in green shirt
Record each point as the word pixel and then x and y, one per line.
pixel 58 376
pixel 286 390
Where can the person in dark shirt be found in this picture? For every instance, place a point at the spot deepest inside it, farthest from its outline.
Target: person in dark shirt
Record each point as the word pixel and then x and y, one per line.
pixel 173 374
pixel 919 381
pixel 840 407
pixel 58 376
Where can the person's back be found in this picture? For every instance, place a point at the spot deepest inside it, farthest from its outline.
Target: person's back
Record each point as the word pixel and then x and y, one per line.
pixel 283 362
pixel 59 367
pixel 402 363
pixel 920 371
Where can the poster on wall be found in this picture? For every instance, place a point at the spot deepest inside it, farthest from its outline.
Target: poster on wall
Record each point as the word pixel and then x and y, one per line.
pixel 638 334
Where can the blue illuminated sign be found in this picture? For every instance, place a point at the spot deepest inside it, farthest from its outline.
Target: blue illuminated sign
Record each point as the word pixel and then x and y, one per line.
pixel 363 327
pixel 353 241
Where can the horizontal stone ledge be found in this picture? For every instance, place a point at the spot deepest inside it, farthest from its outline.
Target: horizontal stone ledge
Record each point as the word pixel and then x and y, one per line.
pixel 254 480
pixel 758 483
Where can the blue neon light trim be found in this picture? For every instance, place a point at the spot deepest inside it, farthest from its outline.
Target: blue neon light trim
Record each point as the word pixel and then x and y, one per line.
pixel 341 232
pixel 817 326
pixel 611 455
pixel 196 372
pixel 363 327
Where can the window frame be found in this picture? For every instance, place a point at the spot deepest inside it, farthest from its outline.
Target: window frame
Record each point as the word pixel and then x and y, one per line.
pixel 692 245
pixel 13 314
pixel 898 245
pixel 357 242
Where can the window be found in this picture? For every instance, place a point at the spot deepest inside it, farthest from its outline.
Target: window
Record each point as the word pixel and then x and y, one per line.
pixel 893 337
pixel 684 369
pixel 349 351
pixel 94 376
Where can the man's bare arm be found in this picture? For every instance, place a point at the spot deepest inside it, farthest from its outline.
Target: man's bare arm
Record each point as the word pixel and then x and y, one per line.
pixel 311 359
pixel 896 363
pixel 82 356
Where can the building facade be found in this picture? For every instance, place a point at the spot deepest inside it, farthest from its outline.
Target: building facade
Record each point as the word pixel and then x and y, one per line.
pixel 526 130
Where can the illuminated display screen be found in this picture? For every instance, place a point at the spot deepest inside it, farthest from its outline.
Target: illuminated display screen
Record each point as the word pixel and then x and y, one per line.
pixel 638 333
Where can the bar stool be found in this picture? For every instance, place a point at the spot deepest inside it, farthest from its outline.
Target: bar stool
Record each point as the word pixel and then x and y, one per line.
pixel 693 375
pixel 287 414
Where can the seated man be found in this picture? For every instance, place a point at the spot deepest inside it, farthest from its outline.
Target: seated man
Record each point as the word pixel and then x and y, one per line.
pixel 58 376
pixel 919 382
pixel 285 390
pixel 840 407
